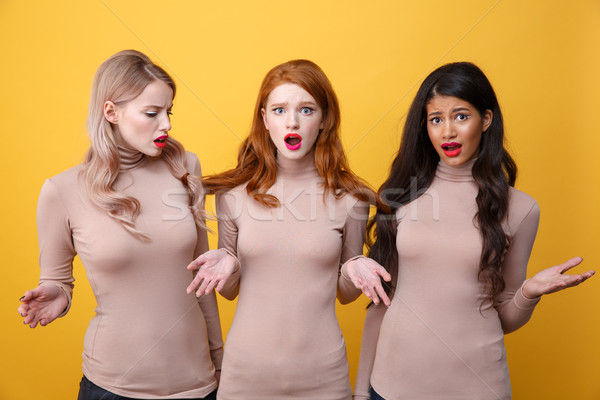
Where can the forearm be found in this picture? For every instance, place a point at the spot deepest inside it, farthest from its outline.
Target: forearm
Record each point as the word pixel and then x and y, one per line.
pixel 210 310
pixel 368 350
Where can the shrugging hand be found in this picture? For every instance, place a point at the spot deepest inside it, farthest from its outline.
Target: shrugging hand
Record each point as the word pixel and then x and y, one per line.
pixel 214 268
pixel 553 279
pixel 366 275
pixel 42 305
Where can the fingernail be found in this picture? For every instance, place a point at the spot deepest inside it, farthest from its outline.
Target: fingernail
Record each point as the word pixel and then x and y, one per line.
pixel 21 299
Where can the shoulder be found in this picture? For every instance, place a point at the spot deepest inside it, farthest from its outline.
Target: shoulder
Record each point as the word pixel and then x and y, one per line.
pixel 59 190
pixel 348 206
pixel 520 206
pixel 518 200
pixel 355 203
pixel 228 195
pixel 192 163
pixel 66 180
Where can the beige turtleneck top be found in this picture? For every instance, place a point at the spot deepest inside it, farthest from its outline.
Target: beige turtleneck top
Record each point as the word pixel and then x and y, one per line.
pixel 285 341
pixel 148 338
pixel 440 339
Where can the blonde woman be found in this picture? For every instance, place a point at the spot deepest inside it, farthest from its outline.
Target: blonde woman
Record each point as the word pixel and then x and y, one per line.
pixel 133 213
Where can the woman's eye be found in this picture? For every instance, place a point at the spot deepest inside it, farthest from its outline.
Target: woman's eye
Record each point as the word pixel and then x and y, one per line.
pixel 151 114
pixel 169 112
pixel 435 120
pixel 278 110
pixel 306 110
pixel 462 117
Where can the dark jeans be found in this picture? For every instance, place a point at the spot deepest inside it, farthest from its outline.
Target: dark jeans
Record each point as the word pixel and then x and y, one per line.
pixel 374 395
pixel 90 391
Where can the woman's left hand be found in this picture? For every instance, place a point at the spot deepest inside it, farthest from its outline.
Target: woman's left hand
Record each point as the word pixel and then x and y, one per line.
pixel 553 279
pixel 214 268
pixel 366 274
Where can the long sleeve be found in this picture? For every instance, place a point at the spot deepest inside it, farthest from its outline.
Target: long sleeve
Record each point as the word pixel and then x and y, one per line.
pixel 202 237
pixel 208 303
pixel 228 235
pixel 368 348
pixel 55 241
pixel 514 309
pixel 353 238
pixel 210 310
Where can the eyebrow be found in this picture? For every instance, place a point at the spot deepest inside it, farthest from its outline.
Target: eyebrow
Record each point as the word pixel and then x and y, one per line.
pixel 155 106
pixel 303 103
pixel 454 110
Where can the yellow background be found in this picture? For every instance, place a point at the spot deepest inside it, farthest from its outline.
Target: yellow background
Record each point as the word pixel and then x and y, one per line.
pixel 542 56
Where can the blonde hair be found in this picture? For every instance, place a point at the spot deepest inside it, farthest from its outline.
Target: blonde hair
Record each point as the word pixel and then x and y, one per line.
pixel 121 78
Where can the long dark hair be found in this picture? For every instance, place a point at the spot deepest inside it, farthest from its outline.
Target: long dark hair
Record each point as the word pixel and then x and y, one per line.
pixel 414 168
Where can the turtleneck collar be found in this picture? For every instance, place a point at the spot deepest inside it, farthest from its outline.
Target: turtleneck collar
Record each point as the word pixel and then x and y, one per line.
pixel 461 173
pixel 300 168
pixel 129 158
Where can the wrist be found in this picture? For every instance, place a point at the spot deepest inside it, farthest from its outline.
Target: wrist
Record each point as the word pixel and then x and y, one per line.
pixel 526 291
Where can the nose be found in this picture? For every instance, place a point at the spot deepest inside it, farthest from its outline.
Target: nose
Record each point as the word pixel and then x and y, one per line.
pixel 165 123
pixel 448 131
pixel 292 121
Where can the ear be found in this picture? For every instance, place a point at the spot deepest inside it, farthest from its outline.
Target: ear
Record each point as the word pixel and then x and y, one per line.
pixel 322 124
pixel 262 112
pixel 488 116
pixel 110 112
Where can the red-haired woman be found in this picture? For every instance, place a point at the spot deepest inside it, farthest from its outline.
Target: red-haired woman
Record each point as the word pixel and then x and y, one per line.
pixel 292 213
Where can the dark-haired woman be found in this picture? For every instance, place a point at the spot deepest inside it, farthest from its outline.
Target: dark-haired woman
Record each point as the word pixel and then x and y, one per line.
pixel 292 213
pixel 456 240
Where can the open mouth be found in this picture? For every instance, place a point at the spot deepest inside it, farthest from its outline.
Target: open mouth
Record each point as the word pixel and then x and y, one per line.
pixel 293 141
pixel 452 149
pixel 161 141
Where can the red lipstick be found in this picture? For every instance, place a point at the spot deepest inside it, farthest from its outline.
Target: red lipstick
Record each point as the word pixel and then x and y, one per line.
pixel 161 141
pixel 452 149
pixel 293 141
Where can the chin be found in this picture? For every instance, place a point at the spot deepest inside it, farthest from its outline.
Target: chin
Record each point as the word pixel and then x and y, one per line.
pixel 153 153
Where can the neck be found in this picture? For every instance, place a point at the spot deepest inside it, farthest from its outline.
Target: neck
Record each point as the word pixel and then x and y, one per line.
pixel 297 168
pixel 459 173
pixel 129 158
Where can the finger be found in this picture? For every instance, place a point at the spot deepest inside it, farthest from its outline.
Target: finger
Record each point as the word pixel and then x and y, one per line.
pixel 370 294
pixel 577 279
pixel 209 288
pixel 572 263
pixel 383 274
pixel 198 262
pixel 384 297
pixel 34 321
pixel 589 274
pixel 220 285
pixel 202 289
pixel 22 309
pixel 194 284
pixel 27 297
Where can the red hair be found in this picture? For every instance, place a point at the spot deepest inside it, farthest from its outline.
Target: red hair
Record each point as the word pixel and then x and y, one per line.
pixel 257 164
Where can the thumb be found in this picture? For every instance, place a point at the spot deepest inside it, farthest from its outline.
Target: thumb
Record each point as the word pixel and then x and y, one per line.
pixel 573 262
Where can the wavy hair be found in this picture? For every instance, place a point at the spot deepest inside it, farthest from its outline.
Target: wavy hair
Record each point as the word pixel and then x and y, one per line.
pixel 121 78
pixel 257 157
pixel 414 168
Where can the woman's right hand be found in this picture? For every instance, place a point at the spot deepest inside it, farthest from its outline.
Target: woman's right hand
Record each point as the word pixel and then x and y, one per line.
pixel 214 268
pixel 42 305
